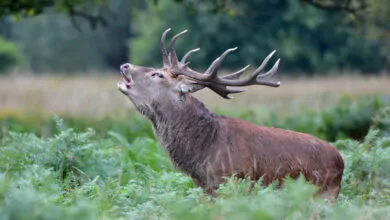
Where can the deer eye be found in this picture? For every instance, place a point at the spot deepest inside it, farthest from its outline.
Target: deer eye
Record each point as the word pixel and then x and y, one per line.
pixel 158 74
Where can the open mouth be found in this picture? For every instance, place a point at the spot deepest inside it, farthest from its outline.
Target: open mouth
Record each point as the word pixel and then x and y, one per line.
pixel 126 79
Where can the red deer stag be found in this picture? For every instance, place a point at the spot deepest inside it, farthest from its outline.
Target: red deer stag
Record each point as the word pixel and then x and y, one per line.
pixel 209 147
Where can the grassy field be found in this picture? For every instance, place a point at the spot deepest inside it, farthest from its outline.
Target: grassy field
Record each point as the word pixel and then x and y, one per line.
pixel 98 159
pixel 98 96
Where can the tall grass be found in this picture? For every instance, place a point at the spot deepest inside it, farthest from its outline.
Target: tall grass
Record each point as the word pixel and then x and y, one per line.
pixel 110 165
pixel 348 117
pixel 115 169
pixel 74 175
pixel 88 95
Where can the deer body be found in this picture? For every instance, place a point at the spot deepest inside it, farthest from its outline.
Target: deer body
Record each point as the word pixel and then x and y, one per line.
pixel 209 147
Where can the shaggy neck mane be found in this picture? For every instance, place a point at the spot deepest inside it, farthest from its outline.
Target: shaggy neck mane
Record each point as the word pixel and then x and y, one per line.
pixel 185 127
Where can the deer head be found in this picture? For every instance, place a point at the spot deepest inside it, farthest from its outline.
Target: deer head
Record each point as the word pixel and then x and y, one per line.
pixel 147 87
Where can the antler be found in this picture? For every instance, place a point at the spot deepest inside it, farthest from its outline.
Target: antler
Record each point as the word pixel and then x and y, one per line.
pixel 163 49
pixel 210 78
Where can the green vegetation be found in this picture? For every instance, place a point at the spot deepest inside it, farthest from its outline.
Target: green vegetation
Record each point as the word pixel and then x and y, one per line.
pixel 68 168
pixel 10 55
pixel 348 118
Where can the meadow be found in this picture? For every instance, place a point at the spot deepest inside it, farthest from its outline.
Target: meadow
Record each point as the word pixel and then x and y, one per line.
pixel 72 147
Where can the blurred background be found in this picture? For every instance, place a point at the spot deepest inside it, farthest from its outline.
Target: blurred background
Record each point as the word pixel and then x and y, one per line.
pixel 62 56
pixel 73 147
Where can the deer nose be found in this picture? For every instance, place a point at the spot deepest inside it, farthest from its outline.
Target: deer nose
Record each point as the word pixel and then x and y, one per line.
pixel 125 67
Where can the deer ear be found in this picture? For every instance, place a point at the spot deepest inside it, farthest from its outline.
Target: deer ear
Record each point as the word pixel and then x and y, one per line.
pixel 186 87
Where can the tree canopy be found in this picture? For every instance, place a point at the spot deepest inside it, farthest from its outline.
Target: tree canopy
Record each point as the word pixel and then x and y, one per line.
pixel 309 35
pixel 308 40
pixel 93 10
pixel 90 10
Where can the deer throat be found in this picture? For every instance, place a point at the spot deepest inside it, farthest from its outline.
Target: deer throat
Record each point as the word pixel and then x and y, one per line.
pixel 186 134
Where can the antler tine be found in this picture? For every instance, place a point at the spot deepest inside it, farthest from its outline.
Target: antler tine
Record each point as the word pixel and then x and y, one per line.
pixel 211 77
pixel 236 74
pixel 223 91
pixel 263 64
pixel 271 72
pixel 183 60
pixel 211 72
pixel 174 60
pixel 255 78
pixel 163 49
pixel 213 69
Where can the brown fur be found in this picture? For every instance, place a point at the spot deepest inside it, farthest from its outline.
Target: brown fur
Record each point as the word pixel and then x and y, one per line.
pixel 209 147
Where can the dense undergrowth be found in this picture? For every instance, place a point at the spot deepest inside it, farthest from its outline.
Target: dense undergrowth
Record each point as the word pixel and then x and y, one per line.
pixel 350 117
pixel 60 169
